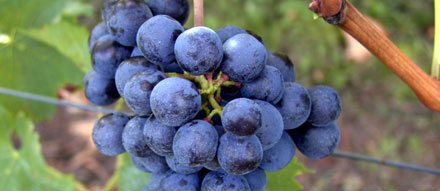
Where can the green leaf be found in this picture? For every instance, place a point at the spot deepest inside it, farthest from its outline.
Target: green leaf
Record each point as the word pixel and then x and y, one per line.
pixel 69 39
pixel 33 66
pixel 25 168
pixel 285 179
pixel 29 13
pixel 127 177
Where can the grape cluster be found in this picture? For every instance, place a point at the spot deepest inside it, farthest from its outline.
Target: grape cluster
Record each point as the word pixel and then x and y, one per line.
pixel 214 109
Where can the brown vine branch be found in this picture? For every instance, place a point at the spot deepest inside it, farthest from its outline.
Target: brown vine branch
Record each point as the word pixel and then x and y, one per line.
pixel 198 13
pixel 354 23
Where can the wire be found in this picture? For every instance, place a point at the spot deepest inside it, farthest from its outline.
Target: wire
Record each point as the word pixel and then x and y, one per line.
pixel 341 154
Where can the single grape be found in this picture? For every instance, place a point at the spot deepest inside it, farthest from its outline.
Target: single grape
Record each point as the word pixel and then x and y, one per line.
pixel 178 9
pixel 180 168
pixel 175 101
pixel 242 117
pixel 138 89
pixel 245 58
pixel 159 137
pixel 222 181
pixel 256 36
pixel 271 125
pixel 129 68
pixel 326 105
pixel 150 163
pixel 239 155
pixel 227 32
pixel 257 179
pixel 199 51
pixel 136 52
pixel 283 63
pixel 181 182
pixel 280 155
pixel 268 86
pixel 125 18
pixel 107 8
pixel 173 68
pixel 156 39
pixel 132 138
pixel 316 142
pixel 107 133
pixel 107 54
pixel 98 31
pixel 100 90
pixel 195 143
pixel 156 178
pixel 295 106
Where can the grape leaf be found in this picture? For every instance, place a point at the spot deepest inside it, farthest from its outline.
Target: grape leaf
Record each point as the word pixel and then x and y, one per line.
pixel 33 66
pixel 285 179
pixel 24 168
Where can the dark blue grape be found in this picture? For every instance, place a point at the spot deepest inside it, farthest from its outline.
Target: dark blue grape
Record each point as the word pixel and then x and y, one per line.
pixel 129 68
pixel 107 54
pixel 280 155
pixel 175 101
pixel 136 53
pixel 195 143
pixel 156 178
pixel 180 168
pixel 199 50
pixel 256 36
pixel 316 142
pixel 138 89
pixel 230 92
pixel 107 133
pixel 268 86
pixel 159 137
pixel 283 63
pixel 107 8
pixel 257 179
pixel 271 125
pixel 326 105
pixel 100 90
pixel 239 155
pixel 125 18
pixel 222 181
pixel 156 39
pixel 98 31
pixel 150 163
pixel 132 138
pixel 213 165
pixel 245 58
pixel 173 68
pixel 181 182
pixel 178 9
pixel 227 32
pixel 295 106
pixel 242 117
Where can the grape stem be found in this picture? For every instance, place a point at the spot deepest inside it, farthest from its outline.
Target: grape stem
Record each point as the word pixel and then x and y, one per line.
pixel 198 13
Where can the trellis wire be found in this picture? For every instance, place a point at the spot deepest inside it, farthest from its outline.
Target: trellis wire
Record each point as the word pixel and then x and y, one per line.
pixel 341 154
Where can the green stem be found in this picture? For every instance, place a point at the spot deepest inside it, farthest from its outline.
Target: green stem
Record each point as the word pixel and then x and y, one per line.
pixel 214 112
pixel 214 103
pixel 435 71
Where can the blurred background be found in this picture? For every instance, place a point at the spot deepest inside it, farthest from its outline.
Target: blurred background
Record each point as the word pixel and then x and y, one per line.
pixel 43 50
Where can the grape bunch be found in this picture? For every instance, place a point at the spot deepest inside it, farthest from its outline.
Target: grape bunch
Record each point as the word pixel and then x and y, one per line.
pixel 213 110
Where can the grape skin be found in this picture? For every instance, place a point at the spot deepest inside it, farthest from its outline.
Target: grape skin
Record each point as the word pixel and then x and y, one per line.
pixel 222 181
pixel 199 51
pixel 195 143
pixel 138 89
pixel 107 54
pixel 98 31
pixel 244 58
pixel 180 168
pixel 156 39
pixel 280 155
pixel 100 90
pixel 283 63
pixel 227 32
pixel 134 11
pixel 326 105
pixel 239 156
pixel 175 101
pixel 268 86
pixel 150 163
pixel 159 137
pixel 136 52
pixel 178 9
pixel 155 180
pixel 107 133
pixel 257 179
pixel 128 69
pixel 132 138
pixel 296 105
pixel 242 117
pixel 181 182
pixel 271 125
pixel 316 142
